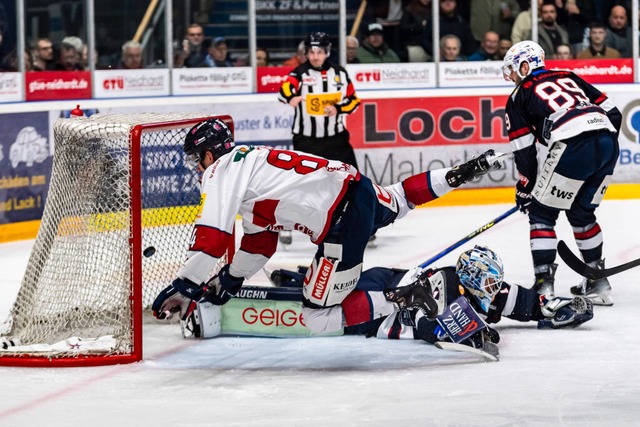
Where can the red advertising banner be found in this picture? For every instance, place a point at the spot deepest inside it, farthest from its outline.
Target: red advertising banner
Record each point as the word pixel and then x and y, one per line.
pixel 597 70
pixel 52 85
pixel 416 122
pixel 271 78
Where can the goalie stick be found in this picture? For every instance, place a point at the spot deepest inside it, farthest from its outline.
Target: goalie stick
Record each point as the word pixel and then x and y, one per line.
pixel 490 351
pixel 580 267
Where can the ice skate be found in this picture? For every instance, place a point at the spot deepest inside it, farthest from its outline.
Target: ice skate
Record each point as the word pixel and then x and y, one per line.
pixel 478 166
pixel 545 279
pixel 597 290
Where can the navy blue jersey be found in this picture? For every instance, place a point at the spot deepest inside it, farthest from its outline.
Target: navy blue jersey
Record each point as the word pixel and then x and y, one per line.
pixel 549 106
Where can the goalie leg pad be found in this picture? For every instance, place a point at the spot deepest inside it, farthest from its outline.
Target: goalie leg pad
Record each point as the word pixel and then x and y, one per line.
pixel 203 322
pixel 326 285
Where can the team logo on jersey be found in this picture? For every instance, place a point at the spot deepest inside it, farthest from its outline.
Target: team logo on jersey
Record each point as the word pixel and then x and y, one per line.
pixel 203 197
pixel 337 82
pixel 309 80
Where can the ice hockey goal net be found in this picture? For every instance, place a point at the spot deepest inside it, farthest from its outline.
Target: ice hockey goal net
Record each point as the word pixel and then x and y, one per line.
pixel 119 187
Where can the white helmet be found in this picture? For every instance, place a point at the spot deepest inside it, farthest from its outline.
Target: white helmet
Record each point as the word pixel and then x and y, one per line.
pixel 480 271
pixel 524 51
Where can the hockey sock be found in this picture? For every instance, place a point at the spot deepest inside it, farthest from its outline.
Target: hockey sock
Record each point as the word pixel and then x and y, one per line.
pixel 360 306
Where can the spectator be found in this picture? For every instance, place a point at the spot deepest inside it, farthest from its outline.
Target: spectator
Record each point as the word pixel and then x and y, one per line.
pixel 550 33
pixel 563 51
pixel 68 59
pixel 488 50
pixel 493 15
pixel 298 58
pixel 521 29
pixel 192 52
pixel 450 48
pixel 217 56
pixel 415 30
pixel 597 48
pixel 618 32
pixel 76 42
pixel 503 47
pixel 44 55
pixel 374 49
pixel 388 14
pixel 262 57
pixel 352 50
pixel 451 23
pixel 131 56
pixel 575 16
pixel 10 61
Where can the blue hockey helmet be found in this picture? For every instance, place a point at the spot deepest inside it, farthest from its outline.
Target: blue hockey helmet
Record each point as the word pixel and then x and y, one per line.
pixel 210 135
pixel 480 271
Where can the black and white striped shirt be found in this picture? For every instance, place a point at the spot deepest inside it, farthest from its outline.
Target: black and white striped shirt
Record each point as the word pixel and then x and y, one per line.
pixel 329 85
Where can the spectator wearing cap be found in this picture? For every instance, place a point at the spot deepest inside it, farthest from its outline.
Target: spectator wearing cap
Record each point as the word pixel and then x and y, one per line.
pixel 217 56
pixel 68 58
pixel 373 49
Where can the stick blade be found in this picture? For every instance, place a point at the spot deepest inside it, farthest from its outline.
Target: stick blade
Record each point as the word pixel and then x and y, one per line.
pixel 575 263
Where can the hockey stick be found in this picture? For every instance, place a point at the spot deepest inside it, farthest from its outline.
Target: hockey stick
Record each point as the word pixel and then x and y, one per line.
pixel 468 237
pixel 580 267
pixel 491 355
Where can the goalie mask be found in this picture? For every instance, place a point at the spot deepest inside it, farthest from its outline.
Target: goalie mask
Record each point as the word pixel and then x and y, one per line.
pixel 524 51
pixel 210 135
pixel 481 272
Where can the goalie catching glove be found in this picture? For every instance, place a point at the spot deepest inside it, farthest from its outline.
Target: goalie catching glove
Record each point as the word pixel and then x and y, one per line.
pixel 417 295
pixel 565 312
pixel 181 295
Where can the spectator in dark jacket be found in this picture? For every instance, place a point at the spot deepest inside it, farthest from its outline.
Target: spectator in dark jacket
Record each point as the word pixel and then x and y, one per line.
pixel 373 48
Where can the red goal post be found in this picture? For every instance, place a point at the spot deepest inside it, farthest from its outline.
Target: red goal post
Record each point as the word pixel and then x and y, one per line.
pixel 119 185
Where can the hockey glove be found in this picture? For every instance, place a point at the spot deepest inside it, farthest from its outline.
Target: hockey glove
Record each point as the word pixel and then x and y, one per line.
pixel 565 312
pixel 176 298
pixel 523 200
pixel 414 296
pixel 222 286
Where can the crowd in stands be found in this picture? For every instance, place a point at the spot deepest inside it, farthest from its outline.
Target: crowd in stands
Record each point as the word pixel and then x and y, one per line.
pixel 392 31
pixel 480 30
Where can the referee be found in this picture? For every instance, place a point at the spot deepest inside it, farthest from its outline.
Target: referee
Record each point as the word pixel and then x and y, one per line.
pixel 321 94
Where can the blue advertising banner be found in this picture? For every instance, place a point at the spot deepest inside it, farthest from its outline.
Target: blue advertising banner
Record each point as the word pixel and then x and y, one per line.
pixel 25 166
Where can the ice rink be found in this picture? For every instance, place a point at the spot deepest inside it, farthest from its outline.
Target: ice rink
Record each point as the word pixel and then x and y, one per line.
pixel 589 376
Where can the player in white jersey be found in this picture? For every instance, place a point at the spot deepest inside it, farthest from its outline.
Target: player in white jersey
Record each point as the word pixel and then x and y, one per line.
pixel 579 125
pixel 330 201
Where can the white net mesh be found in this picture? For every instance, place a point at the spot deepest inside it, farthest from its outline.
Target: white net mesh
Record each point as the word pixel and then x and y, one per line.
pixel 78 279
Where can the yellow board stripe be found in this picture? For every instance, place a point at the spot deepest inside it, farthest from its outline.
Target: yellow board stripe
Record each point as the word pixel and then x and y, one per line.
pixel 186 214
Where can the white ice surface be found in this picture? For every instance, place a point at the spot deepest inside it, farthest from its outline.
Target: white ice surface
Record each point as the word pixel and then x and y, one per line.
pixel 584 377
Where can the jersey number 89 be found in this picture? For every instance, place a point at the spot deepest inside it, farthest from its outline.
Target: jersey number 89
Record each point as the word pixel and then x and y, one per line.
pixel 561 94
